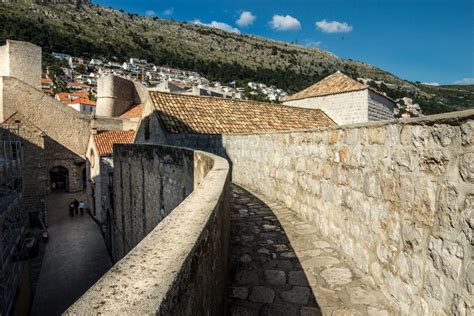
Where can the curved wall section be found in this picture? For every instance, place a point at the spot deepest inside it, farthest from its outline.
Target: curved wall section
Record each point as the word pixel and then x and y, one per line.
pixel 180 266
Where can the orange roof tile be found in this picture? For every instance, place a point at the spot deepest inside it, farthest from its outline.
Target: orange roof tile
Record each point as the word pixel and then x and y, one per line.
pixel 85 101
pixel 77 84
pixel 135 112
pixel 104 141
pixel 46 80
pixel 210 115
pixel 333 84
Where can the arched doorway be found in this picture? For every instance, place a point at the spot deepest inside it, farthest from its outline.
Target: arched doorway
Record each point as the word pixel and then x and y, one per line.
pixel 59 179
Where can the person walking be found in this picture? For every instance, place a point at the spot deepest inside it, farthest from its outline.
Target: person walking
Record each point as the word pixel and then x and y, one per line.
pixel 81 207
pixel 76 206
pixel 71 209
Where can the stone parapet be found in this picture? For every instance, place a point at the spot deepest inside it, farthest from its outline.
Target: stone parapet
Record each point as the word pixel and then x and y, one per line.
pixel 396 196
pixel 181 266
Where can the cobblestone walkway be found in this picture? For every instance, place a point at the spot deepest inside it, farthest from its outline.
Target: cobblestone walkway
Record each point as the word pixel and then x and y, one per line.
pixel 75 258
pixel 281 266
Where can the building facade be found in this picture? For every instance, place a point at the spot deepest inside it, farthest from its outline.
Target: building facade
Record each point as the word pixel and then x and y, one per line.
pixel 345 100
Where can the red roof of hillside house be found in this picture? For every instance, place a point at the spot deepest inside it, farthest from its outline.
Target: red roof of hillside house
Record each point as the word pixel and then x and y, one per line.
pixel 209 115
pixel 76 84
pixel 333 84
pixel 84 101
pixel 48 91
pixel 133 113
pixel 104 141
pixel 46 81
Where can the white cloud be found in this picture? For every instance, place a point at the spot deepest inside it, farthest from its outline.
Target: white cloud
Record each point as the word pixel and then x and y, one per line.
pixel 218 25
pixel 284 23
pixel 246 19
pixel 431 83
pixel 333 26
pixel 313 44
pixel 150 13
pixel 465 81
pixel 168 11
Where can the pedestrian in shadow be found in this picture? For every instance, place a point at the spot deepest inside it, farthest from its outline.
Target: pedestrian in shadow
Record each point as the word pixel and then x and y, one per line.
pixel 76 206
pixel 81 207
pixel 71 209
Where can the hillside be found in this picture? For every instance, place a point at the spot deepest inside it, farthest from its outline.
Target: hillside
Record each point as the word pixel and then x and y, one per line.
pixel 94 31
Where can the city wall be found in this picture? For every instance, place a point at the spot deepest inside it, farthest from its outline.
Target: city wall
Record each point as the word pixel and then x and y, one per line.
pixel 181 266
pixel 397 197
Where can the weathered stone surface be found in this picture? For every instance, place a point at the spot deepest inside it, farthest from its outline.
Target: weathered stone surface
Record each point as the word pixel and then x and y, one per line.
pixel 310 311
pixel 275 277
pixel 346 312
pixel 246 277
pixel 337 276
pixel 297 278
pixel 467 133
pixel 466 167
pixel 262 294
pixel 242 311
pixel 359 295
pixel 443 134
pixel 240 292
pixel 278 310
pixel 297 295
pixel 246 258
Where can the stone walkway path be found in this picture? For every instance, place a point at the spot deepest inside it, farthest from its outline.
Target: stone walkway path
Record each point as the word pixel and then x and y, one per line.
pixel 280 265
pixel 75 258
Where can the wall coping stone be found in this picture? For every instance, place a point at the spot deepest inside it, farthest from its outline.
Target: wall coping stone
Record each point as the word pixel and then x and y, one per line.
pixel 144 281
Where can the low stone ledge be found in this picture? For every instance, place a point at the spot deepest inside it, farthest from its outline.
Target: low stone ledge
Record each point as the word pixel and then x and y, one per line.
pixel 180 268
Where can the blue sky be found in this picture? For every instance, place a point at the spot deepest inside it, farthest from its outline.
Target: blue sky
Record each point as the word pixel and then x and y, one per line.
pixel 419 40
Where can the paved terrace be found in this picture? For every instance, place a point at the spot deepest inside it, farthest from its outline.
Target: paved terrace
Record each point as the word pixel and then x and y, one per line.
pixel 282 266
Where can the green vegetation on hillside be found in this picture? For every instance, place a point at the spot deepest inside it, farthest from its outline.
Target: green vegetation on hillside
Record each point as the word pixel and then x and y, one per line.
pixel 94 31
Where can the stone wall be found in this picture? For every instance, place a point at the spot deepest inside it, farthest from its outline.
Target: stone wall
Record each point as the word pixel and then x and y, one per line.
pixel 62 123
pixel 181 266
pixel 396 197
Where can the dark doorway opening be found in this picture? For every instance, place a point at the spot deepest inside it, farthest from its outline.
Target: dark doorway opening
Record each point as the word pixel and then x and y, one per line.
pixel 59 179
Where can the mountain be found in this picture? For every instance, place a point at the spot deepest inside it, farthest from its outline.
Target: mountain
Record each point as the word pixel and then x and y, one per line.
pixel 89 30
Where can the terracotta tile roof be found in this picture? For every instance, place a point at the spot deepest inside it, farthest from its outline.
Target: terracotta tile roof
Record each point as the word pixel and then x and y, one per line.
pixel 333 84
pixel 104 141
pixel 76 84
pixel 85 101
pixel 209 115
pixel 135 112
pixel 46 80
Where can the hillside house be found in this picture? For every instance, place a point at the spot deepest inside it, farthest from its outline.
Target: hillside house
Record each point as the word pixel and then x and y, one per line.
pixel 83 105
pixel 345 100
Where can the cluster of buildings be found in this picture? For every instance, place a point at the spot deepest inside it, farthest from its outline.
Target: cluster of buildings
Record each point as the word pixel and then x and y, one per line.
pixel 273 93
pixel 82 75
pixel 65 148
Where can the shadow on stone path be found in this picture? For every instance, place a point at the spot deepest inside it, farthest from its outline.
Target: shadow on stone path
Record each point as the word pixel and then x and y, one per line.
pixel 281 266
pixel 75 257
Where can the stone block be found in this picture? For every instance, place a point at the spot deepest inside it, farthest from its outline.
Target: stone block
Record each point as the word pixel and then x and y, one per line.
pixel 333 136
pixel 372 185
pixel 434 161
pixel 443 134
pixel 467 133
pixel 297 295
pixel 262 294
pixel 466 167
pixel 275 277
pixel 377 135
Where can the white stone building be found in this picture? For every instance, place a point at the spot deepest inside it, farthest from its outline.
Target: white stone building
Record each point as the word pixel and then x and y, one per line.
pixel 344 100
